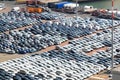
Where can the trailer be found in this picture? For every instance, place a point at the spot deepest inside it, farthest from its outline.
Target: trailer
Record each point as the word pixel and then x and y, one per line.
pixel 67 7
pixel 72 8
pixel 88 9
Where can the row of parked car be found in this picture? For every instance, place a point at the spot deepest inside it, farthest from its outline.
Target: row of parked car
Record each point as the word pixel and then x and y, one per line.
pixel 21 75
pixel 68 64
pixel 25 41
pixel 73 27
pixel 95 41
pixel 85 45
pixel 42 35
pixel 13 19
pixel 50 15
pixel 96 23
pixel 56 65
pixel 104 58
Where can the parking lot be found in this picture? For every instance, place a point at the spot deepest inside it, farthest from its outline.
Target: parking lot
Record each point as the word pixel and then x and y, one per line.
pixel 63 49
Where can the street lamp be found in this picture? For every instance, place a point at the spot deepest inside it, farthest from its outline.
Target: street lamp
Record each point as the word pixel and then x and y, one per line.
pixel 112 53
pixel 76 9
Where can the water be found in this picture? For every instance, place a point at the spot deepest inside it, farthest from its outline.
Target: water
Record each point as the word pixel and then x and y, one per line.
pixel 104 4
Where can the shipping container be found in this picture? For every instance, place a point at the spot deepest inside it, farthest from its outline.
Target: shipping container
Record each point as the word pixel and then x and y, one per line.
pixel 71 5
pixel 39 10
pixel 60 5
pixel 51 4
pixel 57 5
pixel 34 9
pixel 30 9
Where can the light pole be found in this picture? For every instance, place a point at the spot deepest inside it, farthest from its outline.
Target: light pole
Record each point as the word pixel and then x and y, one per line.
pixel 112 53
pixel 76 9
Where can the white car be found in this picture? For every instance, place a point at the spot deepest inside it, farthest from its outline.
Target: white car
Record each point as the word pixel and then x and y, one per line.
pixel 2 6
